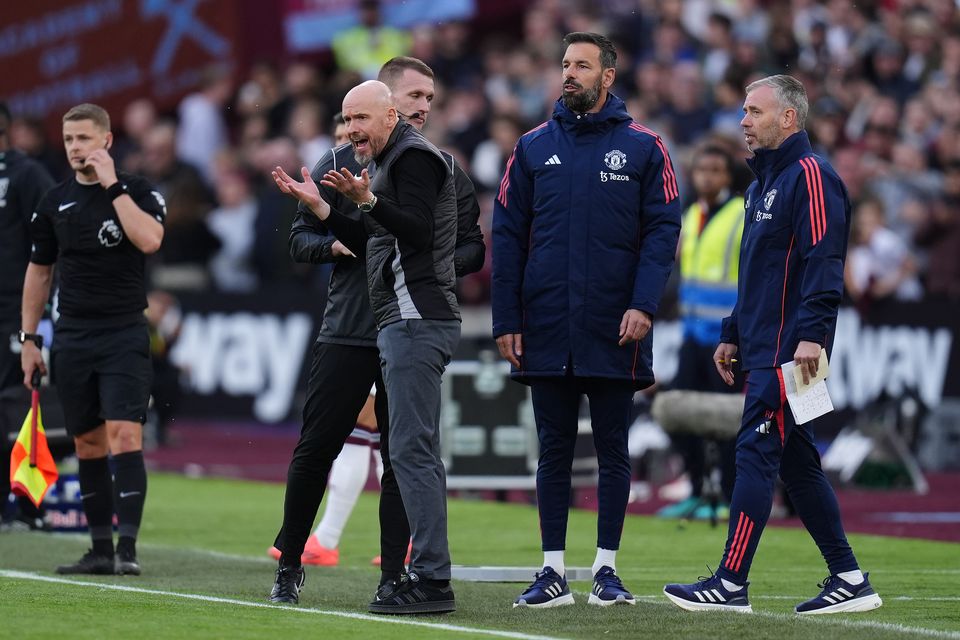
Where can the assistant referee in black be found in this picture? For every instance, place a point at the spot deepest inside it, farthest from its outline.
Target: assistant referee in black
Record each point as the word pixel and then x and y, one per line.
pixel 23 182
pixel 98 225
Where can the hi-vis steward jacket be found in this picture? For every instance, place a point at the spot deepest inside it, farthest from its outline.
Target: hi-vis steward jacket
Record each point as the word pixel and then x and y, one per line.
pixel 585 227
pixel 791 261
pixel 709 261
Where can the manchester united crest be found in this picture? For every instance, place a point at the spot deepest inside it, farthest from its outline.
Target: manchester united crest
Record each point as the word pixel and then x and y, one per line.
pixel 615 160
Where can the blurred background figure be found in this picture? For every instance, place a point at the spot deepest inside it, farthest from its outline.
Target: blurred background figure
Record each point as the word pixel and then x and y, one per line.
pixel 233 225
pixel 709 261
pixel 368 45
pixel 165 321
pixel 879 265
pixel 202 133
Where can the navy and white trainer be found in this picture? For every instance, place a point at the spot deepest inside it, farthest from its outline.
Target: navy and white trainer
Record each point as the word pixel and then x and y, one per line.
pixel 549 589
pixel 608 589
pixel 839 596
pixel 708 595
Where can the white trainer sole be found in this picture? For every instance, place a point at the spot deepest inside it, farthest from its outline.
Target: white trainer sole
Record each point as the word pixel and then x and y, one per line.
pixel 866 603
pixel 706 606
pixel 594 600
pixel 559 601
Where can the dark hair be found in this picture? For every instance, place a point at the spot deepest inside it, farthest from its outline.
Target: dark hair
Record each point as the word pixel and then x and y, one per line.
pixel 5 116
pixel 608 53
pixel 713 149
pixel 393 68
pixel 337 119
pixel 721 19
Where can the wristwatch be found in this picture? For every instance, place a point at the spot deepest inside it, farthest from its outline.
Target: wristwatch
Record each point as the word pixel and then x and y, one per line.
pixel 116 190
pixel 368 206
pixel 35 338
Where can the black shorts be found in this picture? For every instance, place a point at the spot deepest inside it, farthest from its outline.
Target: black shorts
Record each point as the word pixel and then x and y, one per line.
pixel 102 374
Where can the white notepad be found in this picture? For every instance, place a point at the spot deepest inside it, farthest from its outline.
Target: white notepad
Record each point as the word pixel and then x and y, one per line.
pixel 807 401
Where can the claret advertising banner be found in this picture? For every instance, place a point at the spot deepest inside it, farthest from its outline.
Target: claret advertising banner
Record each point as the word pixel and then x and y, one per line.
pixel 247 357
pixel 58 53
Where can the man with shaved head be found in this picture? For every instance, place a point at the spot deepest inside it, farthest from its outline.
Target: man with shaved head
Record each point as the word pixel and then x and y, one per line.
pixel 406 233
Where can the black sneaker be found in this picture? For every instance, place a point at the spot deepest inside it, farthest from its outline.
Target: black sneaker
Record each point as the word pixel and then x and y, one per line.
pixel 415 595
pixel 92 563
pixel 386 589
pixel 287 586
pixel 126 561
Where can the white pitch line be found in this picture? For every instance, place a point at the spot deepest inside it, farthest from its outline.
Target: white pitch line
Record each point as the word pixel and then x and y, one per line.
pixel 829 620
pixel 22 575
pixel 832 620
pixel 798 599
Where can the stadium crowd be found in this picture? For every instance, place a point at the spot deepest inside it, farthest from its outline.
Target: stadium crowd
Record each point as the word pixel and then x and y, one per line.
pixel 883 78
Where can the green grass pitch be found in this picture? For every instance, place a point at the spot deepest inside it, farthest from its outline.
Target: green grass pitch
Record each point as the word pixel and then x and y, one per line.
pixel 206 575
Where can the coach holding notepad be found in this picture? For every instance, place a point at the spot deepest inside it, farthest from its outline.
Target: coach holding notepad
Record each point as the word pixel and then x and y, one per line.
pixel 791 280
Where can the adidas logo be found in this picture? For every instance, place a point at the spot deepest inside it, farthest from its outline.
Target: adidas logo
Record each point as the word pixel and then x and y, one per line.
pixel 709 596
pixel 764 428
pixel 553 590
pixel 839 595
pixel 553 160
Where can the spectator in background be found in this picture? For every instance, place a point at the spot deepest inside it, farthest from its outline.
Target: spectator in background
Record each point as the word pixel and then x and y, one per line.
pixel 276 213
pixel 300 84
pixel 27 135
pixel 880 265
pixel 687 112
pixel 455 63
pixel 262 95
pixel 814 56
pixel 887 72
pixel 305 126
pixel 202 131
pixel 826 127
pixel 139 118
pixel 940 236
pixel 920 36
pixel 232 222
pixel 491 155
pixel 718 43
pixel 709 264
pixel 363 48
pixel 880 134
pixel 188 244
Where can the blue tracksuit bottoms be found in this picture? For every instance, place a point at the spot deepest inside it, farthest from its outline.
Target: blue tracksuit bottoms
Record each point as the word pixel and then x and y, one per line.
pixel 770 443
pixel 556 404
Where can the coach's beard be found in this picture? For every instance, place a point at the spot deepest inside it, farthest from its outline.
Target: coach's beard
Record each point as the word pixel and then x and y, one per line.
pixel 584 100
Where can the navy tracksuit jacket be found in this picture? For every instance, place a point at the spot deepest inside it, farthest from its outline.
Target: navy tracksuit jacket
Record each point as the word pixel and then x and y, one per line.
pixel 791 257
pixel 791 280
pixel 585 227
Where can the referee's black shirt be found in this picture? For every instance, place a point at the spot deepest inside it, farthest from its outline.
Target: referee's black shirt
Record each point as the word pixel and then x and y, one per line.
pixel 22 185
pixel 102 280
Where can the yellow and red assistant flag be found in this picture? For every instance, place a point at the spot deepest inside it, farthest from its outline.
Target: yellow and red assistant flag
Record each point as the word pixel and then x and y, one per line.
pixel 32 468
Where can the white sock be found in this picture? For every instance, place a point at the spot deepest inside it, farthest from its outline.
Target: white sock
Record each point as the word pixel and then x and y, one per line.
pixel 605 558
pixel 554 560
pixel 347 477
pixel 729 586
pixel 853 577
